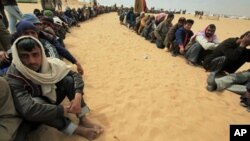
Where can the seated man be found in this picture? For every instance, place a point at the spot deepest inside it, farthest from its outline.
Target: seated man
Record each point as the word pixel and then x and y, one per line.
pixel 170 37
pixel 201 44
pixel 138 21
pixel 142 23
pixel 131 18
pixel 235 82
pixel 149 27
pixel 40 84
pixel 4 36
pixel 230 55
pixel 182 37
pixel 159 18
pixel 10 121
pixel 162 30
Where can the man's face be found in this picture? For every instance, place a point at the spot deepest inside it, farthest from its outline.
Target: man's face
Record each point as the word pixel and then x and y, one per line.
pixel 38 26
pixel 188 26
pixel 47 24
pixel 209 32
pixel 31 59
pixel 30 32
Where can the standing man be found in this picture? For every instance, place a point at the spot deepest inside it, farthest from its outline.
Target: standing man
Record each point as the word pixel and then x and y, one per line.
pixel 48 4
pixel 13 12
pixel 3 16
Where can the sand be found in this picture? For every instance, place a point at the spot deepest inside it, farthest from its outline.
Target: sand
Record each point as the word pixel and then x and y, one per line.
pixel 140 93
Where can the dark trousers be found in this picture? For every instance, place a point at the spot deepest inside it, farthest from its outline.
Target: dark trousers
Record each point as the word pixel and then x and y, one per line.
pixel 176 50
pixel 64 88
pixel 159 44
pixel 4 18
pixel 215 65
pixel 24 129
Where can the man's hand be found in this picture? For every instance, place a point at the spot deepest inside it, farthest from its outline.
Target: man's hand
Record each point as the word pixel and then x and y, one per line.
pixel 182 50
pixel 75 106
pixel 4 56
pixel 66 109
pixel 79 68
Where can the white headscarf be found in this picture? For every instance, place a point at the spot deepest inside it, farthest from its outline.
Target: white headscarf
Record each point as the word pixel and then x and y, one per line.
pixel 52 70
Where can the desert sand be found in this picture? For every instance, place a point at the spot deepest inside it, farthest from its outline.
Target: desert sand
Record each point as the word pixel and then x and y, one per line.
pixel 140 93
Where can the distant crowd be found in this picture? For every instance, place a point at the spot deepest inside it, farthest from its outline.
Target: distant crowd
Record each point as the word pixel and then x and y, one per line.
pixel 221 58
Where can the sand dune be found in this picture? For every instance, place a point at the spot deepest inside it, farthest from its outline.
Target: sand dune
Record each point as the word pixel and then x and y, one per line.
pixel 140 93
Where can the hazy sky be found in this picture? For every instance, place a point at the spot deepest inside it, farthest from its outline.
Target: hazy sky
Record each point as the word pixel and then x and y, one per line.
pixel 229 7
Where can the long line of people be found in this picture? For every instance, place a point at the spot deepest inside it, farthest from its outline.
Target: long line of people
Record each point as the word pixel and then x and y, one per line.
pixel 221 59
pixel 38 80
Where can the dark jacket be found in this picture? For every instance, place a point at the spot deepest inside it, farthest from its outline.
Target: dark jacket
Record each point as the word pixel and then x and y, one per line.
pixel 24 90
pixel 9 2
pixel 235 55
pixel 1 6
pixel 63 52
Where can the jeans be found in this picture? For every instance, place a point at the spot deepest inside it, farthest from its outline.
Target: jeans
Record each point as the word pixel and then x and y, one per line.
pixel 14 15
pixel 235 82
pixel 192 54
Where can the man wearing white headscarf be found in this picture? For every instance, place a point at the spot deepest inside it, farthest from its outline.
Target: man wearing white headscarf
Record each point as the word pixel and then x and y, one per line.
pixel 40 84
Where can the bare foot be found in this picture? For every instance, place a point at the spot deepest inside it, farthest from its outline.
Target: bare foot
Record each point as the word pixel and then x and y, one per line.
pixel 85 122
pixel 88 133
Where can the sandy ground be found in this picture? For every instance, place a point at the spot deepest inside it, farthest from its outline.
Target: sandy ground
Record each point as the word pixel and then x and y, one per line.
pixel 140 93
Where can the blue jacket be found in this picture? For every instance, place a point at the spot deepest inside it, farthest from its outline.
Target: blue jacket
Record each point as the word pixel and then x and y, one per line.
pixel 183 36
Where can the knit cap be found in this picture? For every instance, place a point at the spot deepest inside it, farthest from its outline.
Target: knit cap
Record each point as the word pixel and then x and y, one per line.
pixel 48 13
pixel 22 26
pixel 30 18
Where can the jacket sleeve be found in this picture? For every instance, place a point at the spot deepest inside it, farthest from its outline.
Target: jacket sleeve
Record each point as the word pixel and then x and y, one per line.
pixel 233 51
pixel 64 52
pixel 28 108
pixel 178 36
pixel 78 81
pixel 205 44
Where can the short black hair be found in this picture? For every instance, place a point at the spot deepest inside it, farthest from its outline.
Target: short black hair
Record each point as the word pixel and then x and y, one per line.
pixel 190 21
pixel 27 44
pixel 212 26
pixel 246 33
pixel 170 15
pixel 182 20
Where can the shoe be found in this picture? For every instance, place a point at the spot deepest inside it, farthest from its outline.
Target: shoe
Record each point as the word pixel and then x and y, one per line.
pixel 243 103
pixel 173 54
pixel 191 63
pixel 211 84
